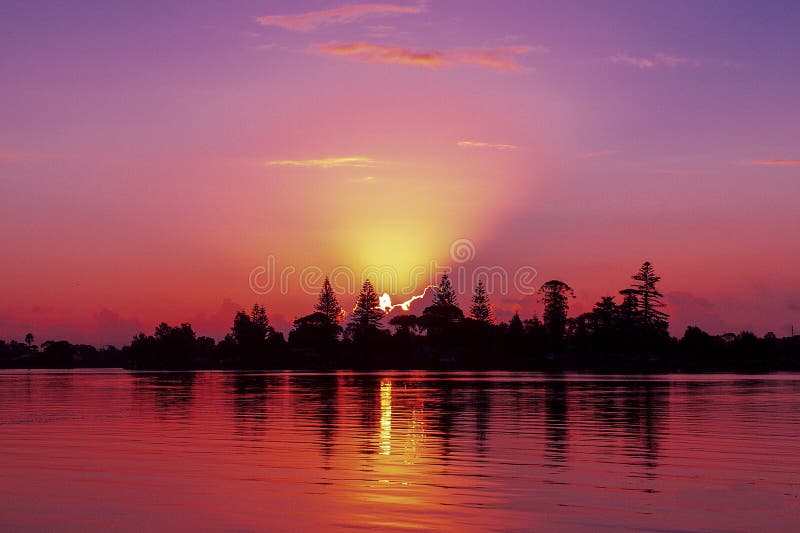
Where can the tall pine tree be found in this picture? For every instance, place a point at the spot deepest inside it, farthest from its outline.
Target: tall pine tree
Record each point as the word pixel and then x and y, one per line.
pixel 480 309
pixel 365 319
pixel 328 304
pixel 444 294
pixel 649 298
pixel 443 313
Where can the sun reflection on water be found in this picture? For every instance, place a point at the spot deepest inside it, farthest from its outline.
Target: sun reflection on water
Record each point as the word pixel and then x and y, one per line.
pixel 386 417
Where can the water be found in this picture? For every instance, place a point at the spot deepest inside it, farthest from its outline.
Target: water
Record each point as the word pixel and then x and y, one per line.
pixel 232 451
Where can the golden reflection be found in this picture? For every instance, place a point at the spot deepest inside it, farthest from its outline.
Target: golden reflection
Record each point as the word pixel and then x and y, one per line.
pixel 416 437
pixel 386 417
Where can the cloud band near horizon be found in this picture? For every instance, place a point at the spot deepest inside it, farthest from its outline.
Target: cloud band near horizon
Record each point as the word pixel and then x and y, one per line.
pixel 481 144
pixel 328 162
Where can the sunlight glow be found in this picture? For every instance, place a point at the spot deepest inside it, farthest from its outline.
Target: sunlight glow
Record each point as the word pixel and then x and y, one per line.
pixel 386 301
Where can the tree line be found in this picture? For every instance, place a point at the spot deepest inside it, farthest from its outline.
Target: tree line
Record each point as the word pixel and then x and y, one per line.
pixel 631 335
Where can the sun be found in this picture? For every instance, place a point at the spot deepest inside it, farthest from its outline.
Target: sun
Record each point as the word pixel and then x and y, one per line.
pixel 396 257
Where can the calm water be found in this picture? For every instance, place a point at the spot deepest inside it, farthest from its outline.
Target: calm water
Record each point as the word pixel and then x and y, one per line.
pixel 189 451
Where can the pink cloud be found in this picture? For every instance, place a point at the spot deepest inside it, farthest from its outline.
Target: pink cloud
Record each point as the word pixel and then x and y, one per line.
pixel 501 58
pixel 111 328
pixel 655 61
pixel 340 15
pixel 671 60
pixel 775 162
pixel 687 309
pixel 46 323
pixel 481 144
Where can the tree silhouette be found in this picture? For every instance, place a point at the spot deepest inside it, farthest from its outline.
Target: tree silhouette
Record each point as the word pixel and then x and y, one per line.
pixel 631 336
pixel 251 331
pixel 650 303
pixel 365 320
pixel 328 304
pixel 535 333
pixel 405 324
pixel 600 328
pixel 251 338
pixel 629 311
pixel 444 294
pixel 533 326
pixel 480 309
pixel 320 330
pixel 514 338
pixel 315 332
pixel 515 327
pixel 555 295
pixel 604 320
pixel 605 313
pixel 168 348
pixel 443 313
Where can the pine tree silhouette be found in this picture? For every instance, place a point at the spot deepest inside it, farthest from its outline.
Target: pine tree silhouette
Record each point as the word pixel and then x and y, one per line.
pixel 649 298
pixel 328 304
pixel 480 309
pixel 366 317
pixel 444 294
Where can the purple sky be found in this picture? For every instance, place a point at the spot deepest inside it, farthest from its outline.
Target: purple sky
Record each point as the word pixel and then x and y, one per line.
pixel 153 154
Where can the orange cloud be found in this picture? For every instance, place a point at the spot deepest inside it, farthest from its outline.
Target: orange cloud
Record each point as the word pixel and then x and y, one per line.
pixel 775 162
pixel 328 162
pixel 479 144
pixel 501 58
pixel 601 153
pixel 379 53
pixel 340 15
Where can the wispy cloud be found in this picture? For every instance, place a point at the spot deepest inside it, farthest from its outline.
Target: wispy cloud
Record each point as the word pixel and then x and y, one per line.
pixel 380 53
pixel 328 162
pixel 774 162
pixel 601 153
pixel 340 15
pixel 492 146
pixel 498 58
pixel 654 61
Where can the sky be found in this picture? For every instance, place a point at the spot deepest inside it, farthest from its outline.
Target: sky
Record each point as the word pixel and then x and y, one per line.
pixel 156 158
